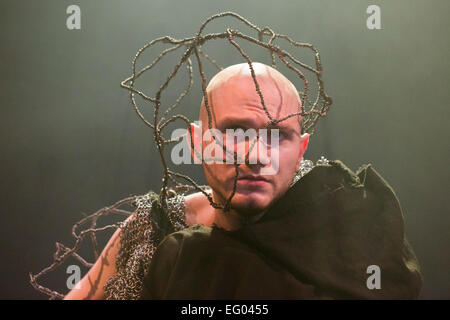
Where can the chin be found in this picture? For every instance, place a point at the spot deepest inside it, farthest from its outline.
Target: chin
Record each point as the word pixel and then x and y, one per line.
pixel 250 203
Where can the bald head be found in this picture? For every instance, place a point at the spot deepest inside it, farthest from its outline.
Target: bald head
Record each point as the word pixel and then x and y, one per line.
pixel 280 95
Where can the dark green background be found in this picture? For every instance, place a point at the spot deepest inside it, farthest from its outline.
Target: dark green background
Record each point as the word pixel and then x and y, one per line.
pixel 71 143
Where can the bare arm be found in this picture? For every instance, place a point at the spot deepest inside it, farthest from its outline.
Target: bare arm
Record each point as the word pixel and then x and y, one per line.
pixel 198 210
pixel 91 286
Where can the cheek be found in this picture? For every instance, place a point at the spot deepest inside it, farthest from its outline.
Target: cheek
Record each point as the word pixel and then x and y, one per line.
pixel 218 175
pixel 289 155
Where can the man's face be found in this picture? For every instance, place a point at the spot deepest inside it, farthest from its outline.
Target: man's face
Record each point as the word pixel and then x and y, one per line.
pixel 235 104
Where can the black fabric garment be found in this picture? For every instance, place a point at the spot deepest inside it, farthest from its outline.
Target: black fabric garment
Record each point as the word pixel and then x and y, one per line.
pixel 316 242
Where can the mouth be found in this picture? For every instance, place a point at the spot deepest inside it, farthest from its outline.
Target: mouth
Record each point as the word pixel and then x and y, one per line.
pixel 252 180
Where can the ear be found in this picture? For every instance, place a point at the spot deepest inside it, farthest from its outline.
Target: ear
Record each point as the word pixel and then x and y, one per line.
pixel 304 140
pixel 195 131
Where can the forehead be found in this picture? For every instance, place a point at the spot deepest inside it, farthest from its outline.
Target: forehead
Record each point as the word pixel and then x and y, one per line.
pixel 237 98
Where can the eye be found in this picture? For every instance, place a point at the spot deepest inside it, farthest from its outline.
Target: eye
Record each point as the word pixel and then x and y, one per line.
pixel 281 134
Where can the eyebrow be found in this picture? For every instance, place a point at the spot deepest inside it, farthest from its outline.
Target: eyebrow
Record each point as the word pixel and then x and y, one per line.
pixel 230 122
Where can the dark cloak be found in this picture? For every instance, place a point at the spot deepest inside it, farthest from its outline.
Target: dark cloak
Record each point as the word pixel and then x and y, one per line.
pixel 316 242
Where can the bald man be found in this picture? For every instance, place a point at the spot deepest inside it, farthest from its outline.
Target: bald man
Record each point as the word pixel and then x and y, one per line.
pixel 235 104
pixel 315 240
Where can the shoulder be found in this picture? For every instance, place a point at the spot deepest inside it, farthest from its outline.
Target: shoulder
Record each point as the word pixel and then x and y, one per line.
pixel 336 171
pixel 198 209
pixel 194 233
pixel 368 180
pixel 363 196
pixel 333 183
pixel 196 238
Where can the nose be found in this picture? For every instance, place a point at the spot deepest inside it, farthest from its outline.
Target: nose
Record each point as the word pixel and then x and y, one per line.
pixel 257 152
